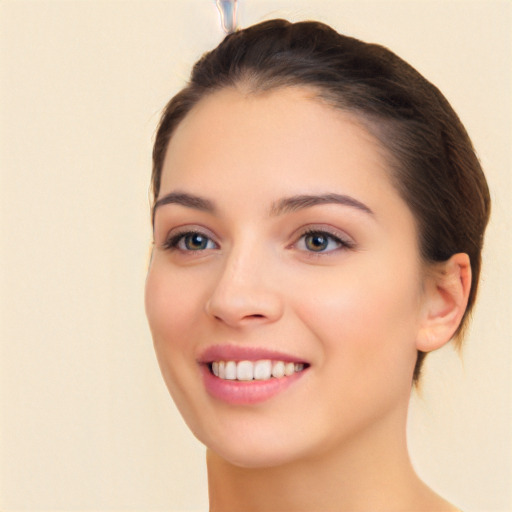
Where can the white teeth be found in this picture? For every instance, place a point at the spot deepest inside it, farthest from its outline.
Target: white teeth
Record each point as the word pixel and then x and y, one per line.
pixel 230 370
pixel 222 369
pixel 244 370
pixel 289 369
pixel 278 369
pixel 263 369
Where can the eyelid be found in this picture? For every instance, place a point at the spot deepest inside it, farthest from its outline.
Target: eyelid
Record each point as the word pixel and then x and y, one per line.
pixel 178 233
pixel 345 240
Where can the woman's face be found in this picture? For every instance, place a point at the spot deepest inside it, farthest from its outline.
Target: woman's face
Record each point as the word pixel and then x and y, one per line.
pixel 282 246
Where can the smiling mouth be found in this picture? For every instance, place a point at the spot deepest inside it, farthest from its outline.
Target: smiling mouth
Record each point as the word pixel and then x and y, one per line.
pixel 264 369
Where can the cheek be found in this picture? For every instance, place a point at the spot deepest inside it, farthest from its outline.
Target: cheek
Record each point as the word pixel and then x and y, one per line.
pixel 172 305
pixel 366 322
pixel 172 309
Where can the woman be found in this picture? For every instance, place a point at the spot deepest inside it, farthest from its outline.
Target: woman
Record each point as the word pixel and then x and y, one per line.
pixel 318 223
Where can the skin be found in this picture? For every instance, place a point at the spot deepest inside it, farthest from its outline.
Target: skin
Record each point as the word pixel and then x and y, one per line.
pixel 335 439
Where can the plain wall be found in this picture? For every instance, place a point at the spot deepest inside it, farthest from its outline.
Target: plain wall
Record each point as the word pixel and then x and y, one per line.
pixel 86 422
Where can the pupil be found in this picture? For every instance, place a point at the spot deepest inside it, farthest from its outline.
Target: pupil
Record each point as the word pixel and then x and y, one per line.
pixel 316 242
pixel 196 241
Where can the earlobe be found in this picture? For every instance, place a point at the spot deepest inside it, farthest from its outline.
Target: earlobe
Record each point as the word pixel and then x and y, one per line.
pixel 446 297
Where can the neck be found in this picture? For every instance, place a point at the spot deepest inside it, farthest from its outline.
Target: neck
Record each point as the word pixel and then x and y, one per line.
pixel 372 471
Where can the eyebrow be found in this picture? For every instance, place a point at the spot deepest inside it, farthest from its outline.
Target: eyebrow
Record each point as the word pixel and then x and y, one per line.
pixel 299 202
pixel 285 205
pixel 187 200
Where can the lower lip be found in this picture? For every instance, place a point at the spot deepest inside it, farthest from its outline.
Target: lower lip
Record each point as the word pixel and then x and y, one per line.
pixel 246 392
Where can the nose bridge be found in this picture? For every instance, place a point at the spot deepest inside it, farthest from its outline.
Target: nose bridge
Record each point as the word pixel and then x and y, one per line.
pixel 245 290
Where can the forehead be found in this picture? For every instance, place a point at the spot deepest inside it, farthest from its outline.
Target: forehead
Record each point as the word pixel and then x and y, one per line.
pixel 283 133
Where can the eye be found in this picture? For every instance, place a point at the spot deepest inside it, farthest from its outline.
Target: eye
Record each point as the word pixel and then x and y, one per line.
pixel 190 241
pixel 320 241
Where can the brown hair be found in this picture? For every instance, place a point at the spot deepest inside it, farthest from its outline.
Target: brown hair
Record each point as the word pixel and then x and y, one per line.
pixel 434 165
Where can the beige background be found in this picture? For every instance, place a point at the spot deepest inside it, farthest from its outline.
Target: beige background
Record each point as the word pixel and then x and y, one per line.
pixel 86 423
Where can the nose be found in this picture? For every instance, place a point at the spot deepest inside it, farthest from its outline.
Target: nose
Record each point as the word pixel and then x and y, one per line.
pixel 246 292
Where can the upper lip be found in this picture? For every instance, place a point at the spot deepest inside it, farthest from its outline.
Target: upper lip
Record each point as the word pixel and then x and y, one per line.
pixel 243 353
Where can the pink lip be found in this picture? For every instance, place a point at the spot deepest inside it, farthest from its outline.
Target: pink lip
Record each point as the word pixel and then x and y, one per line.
pixel 248 392
pixel 245 393
pixel 241 353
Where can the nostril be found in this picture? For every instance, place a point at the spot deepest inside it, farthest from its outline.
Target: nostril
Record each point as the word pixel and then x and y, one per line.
pixel 237 306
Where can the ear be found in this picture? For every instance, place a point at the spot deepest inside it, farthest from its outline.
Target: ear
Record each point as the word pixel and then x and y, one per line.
pixel 446 293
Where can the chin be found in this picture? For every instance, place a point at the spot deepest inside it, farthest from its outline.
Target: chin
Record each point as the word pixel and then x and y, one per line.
pixel 246 450
pixel 258 458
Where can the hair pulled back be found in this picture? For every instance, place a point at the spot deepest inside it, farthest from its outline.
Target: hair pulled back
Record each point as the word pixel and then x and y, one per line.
pixel 433 164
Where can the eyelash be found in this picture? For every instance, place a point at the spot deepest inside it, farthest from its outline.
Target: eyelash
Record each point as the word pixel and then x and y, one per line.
pixel 341 242
pixel 172 243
